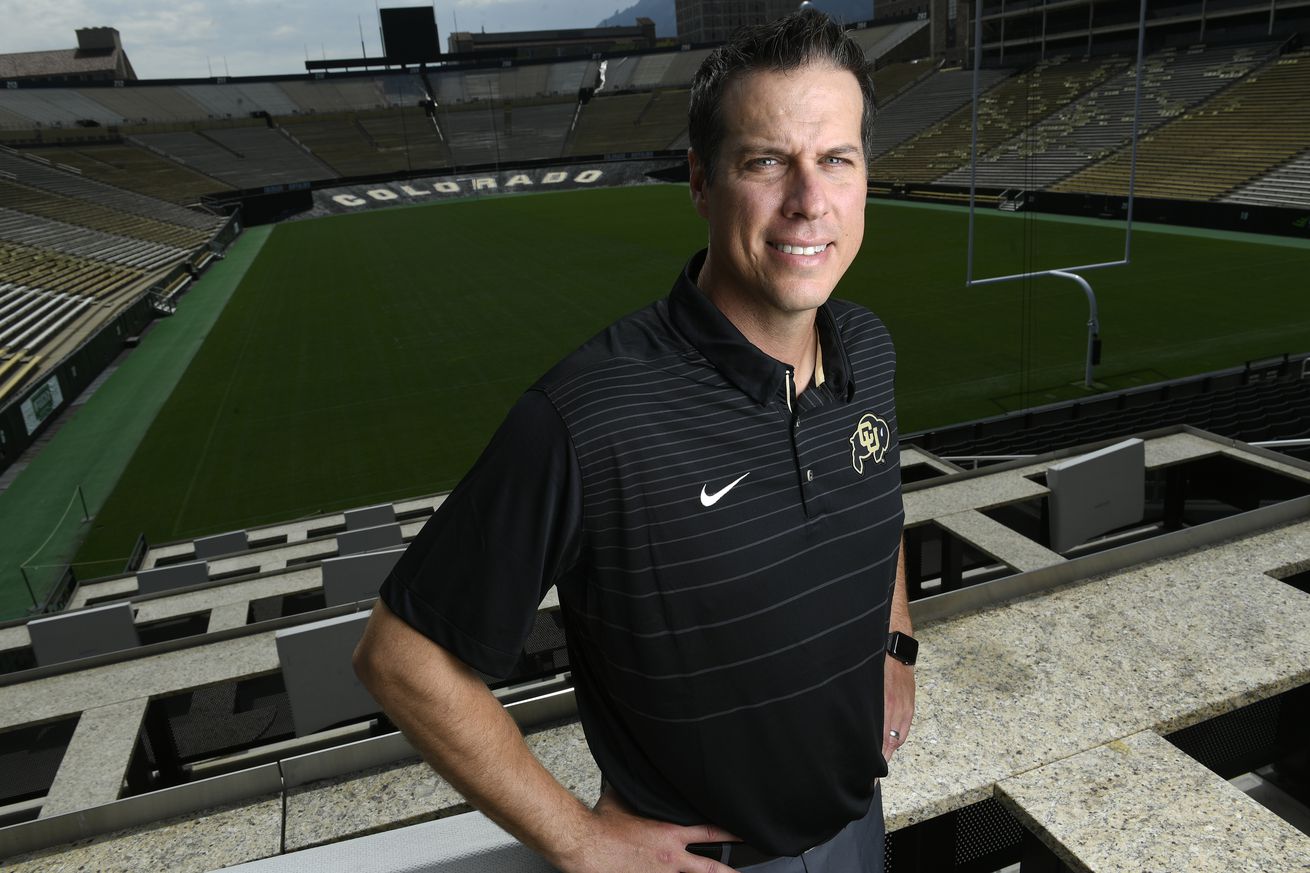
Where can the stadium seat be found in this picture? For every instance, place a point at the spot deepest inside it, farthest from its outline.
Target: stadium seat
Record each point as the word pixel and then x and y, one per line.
pixel 320 681
pixel 82 633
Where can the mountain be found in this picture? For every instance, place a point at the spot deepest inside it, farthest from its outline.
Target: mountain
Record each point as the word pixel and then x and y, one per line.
pixel 659 11
pixel 666 22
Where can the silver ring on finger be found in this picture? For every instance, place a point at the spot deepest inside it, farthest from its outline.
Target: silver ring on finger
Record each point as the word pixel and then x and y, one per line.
pixel 895 734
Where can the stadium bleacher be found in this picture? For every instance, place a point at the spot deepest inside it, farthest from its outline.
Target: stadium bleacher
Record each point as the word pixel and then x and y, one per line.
pixel 146 105
pixel 1285 185
pixel 243 157
pixel 66 185
pixel 630 122
pixel 31 230
pixel 1003 110
pixel 74 252
pixel 682 68
pixel 1258 123
pixel 889 81
pixel 239 100
pixel 926 103
pixel 566 77
pixel 335 95
pixel 132 168
pixel 1101 122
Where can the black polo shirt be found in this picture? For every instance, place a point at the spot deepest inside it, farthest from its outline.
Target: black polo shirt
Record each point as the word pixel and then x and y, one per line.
pixel 725 555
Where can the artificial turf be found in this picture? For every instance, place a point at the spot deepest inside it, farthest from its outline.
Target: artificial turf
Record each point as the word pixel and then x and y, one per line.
pixel 369 357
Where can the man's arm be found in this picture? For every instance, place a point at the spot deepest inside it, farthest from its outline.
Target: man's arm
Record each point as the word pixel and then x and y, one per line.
pixel 898 678
pixel 460 728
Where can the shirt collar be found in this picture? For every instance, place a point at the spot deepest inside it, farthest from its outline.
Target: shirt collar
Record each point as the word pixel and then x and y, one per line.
pixel 756 374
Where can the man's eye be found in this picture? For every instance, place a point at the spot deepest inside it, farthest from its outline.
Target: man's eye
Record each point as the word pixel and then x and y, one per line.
pixel 764 162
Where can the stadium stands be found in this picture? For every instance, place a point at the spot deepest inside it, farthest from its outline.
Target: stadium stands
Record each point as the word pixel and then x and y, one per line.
pixel 239 100
pixel 52 271
pixel 243 157
pixel 343 143
pixel 1259 123
pixel 650 70
pixel 682 68
pixel 72 185
pixel 335 95
pixel 93 215
pixel 1004 110
pixel 891 80
pixel 73 252
pixel 54 107
pixel 524 81
pixel 925 104
pixel 566 77
pixel 630 122
pixel 134 169
pixel 1101 122
pixel 481 84
pixel 149 105
pixel 31 230
pixel 403 89
pixel 1287 185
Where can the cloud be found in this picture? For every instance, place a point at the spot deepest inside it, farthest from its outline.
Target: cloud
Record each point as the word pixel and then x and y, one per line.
pixel 183 38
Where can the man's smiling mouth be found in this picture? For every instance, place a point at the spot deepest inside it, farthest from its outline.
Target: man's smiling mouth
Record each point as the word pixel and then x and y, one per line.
pixel 800 250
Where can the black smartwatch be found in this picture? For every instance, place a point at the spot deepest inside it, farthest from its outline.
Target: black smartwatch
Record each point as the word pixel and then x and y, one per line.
pixel 903 648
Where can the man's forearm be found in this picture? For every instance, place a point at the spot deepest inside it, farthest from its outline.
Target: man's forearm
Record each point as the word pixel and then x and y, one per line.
pixel 460 728
pixel 900 612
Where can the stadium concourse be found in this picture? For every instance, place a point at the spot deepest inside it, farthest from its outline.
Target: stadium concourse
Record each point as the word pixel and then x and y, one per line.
pixel 1111 590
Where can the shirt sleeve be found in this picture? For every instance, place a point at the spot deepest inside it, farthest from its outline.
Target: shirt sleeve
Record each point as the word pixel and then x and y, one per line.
pixel 473 578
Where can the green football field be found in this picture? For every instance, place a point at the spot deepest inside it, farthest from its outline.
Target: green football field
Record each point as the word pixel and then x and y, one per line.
pixel 369 357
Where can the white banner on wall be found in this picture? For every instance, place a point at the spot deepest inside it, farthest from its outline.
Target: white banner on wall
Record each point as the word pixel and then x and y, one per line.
pixel 43 401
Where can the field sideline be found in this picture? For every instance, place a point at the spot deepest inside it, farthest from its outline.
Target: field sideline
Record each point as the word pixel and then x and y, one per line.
pixel 368 357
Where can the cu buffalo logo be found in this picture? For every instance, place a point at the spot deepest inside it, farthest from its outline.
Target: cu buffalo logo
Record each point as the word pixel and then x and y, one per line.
pixel 869 441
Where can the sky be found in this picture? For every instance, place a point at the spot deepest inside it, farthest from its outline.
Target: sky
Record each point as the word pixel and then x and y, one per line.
pixel 169 39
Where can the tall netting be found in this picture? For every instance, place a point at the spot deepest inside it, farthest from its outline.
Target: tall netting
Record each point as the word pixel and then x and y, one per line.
pixel 46 576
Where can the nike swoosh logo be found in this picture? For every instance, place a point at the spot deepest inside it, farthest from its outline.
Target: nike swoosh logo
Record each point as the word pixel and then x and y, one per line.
pixel 711 499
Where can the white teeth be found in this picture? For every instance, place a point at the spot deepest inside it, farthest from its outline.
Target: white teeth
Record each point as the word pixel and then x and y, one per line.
pixel 800 250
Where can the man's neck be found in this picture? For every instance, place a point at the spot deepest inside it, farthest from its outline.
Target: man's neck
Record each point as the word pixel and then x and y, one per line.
pixel 788 337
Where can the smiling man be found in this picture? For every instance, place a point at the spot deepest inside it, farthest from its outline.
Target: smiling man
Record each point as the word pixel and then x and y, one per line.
pixel 713 486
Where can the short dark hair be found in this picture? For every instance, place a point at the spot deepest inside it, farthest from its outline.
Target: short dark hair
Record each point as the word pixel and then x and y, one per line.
pixel 804 37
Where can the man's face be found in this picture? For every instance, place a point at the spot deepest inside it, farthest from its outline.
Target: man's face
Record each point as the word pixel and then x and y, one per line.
pixel 786 207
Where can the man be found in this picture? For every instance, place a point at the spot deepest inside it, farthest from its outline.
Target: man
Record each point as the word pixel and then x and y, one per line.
pixel 712 484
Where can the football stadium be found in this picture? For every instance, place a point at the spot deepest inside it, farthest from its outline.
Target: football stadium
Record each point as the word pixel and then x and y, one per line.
pixel 254 330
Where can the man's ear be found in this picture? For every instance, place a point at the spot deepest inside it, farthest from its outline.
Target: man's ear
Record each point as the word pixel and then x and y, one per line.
pixel 699 196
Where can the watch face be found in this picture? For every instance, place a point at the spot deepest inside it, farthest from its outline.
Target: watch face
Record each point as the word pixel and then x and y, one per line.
pixel 903 647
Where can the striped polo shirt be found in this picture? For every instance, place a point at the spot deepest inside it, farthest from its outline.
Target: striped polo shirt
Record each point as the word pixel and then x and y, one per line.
pixel 725 555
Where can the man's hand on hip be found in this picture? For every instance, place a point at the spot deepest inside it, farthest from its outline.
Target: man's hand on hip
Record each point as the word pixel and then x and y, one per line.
pixel 898 705
pixel 618 840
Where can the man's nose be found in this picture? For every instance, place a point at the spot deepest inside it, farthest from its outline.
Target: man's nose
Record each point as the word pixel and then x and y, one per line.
pixel 807 195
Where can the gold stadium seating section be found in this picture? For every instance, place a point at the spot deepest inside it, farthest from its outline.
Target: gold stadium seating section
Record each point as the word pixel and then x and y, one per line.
pixel 134 169
pixel 1243 132
pixel 56 272
pixel 1003 111
pixel 87 214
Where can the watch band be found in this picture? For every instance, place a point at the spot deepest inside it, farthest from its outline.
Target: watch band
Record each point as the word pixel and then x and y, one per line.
pixel 903 647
